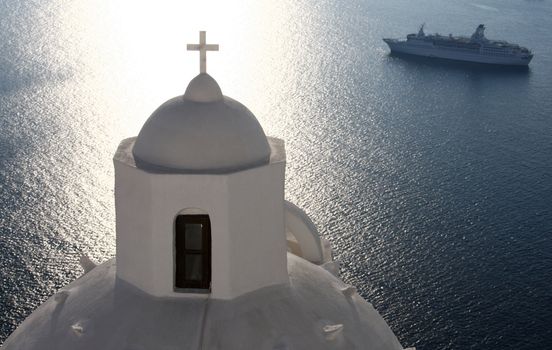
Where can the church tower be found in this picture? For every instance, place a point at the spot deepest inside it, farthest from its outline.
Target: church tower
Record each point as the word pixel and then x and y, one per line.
pixel 199 198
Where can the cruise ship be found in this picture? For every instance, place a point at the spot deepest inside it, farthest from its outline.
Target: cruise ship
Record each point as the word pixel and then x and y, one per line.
pixel 476 48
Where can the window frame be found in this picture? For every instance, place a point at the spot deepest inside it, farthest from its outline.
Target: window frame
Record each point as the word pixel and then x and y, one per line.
pixel 180 283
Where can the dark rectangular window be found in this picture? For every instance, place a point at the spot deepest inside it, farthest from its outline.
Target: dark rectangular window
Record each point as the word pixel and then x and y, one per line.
pixel 192 239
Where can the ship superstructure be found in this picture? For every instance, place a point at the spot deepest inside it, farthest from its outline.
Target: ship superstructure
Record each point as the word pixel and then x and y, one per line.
pixel 476 48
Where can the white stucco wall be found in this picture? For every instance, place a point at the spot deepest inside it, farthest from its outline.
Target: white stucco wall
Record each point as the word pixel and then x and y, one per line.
pixel 246 210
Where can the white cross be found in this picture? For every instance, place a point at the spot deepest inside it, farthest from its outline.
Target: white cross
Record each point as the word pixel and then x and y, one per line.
pixel 202 47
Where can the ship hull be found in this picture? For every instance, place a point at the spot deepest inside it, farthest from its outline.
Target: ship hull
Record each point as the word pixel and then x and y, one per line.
pixel 430 50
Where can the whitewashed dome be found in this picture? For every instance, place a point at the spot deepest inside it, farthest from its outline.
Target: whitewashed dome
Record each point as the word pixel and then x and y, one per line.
pixel 201 131
pixel 100 312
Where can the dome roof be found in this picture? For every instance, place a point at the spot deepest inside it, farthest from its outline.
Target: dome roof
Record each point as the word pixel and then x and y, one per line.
pixel 201 131
pixel 98 311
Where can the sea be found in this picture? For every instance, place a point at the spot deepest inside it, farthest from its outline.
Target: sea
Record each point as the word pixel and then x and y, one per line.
pixel 431 179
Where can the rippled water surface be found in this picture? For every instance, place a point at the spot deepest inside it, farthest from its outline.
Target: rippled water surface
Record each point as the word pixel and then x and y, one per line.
pixel 432 180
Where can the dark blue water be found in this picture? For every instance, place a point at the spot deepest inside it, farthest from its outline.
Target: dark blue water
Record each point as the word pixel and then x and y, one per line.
pixel 432 180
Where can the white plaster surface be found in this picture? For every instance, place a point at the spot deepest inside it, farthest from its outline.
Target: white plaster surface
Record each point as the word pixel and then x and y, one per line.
pixel 100 312
pixel 203 88
pixel 246 209
pixel 202 132
pixel 301 227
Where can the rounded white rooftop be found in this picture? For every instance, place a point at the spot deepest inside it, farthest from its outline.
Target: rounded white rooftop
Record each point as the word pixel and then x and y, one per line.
pixel 201 131
pixel 98 312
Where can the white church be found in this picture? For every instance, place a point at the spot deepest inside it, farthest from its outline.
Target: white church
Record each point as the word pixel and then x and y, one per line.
pixel 209 254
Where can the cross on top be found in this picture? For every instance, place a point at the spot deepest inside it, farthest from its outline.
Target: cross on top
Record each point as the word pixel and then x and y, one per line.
pixel 202 47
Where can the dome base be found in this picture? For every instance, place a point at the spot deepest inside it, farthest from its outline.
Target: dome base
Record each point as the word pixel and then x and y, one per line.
pixel 97 311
